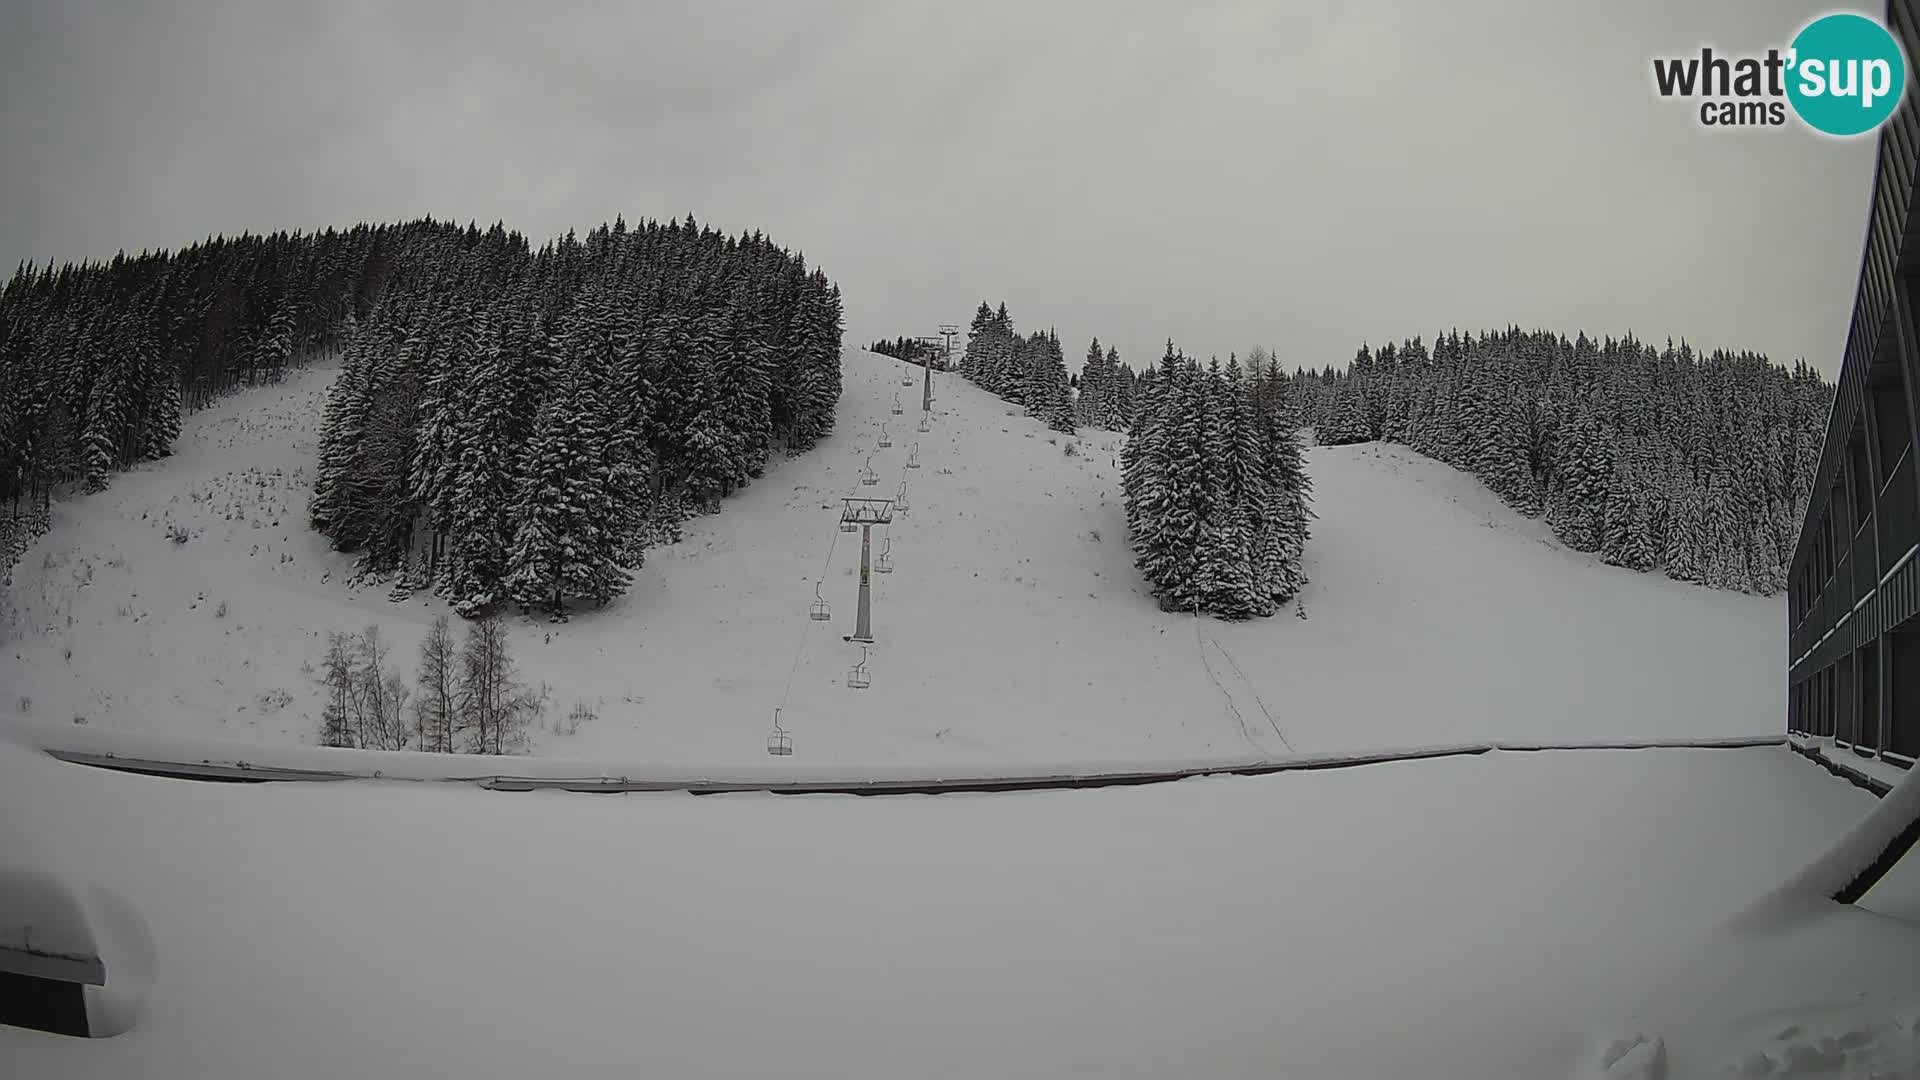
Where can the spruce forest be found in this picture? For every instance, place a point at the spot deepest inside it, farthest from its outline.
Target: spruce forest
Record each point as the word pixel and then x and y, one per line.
pixel 911 350
pixel 508 426
pixel 1029 371
pixel 1699 466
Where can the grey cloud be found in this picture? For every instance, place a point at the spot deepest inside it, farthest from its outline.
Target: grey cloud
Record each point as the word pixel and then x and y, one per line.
pixel 1225 174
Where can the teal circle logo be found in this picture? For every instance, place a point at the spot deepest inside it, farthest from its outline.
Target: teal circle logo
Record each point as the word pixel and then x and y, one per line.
pixel 1846 74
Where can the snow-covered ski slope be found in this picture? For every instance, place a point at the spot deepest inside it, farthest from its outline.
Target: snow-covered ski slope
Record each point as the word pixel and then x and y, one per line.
pixel 1013 627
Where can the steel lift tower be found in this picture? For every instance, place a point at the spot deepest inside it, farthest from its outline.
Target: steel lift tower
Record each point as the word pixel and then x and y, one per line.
pixel 865 513
pixel 949 331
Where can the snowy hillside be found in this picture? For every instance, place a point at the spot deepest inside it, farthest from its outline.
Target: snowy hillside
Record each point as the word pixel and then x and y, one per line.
pixel 190 597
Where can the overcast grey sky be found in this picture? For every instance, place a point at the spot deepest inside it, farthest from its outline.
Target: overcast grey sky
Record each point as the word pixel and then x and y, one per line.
pixel 1301 176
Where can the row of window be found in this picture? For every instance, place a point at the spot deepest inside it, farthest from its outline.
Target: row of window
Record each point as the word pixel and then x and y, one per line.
pixel 1869 699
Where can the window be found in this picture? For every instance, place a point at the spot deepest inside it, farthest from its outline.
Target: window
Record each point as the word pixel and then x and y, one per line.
pixel 1891 424
pixel 1903 692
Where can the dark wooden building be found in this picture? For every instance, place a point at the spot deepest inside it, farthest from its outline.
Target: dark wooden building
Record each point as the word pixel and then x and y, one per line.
pixel 1854 585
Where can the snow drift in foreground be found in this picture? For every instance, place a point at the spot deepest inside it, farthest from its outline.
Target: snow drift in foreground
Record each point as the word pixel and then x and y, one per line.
pixel 1014 627
pixel 1468 917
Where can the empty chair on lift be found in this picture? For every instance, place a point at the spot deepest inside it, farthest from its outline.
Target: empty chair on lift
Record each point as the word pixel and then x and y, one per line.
pixel 913 459
pixel 897 410
pixel 818 611
pixel 900 499
pixel 779 743
pixel 867 476
pixel 884 564
pixel 886 440
pixel 924 424
pixel 858 678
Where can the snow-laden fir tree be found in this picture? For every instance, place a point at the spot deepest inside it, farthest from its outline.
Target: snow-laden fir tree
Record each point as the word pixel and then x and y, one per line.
pixel 1216 494
pixel 565 540
pixel 1092 402
pixel 1047 392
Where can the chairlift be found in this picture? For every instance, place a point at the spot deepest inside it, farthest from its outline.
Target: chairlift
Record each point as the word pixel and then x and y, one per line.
pixel 886 440
pixel 858 678
pixel 913 459
pixel 925 425
pixel 900 499
pixel 779 743
pixel 819 611
pixel 897 409
pixel 867 476
pixel 884 564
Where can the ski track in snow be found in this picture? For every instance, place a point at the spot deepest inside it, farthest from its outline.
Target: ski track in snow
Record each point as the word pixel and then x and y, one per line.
pixel 1007 631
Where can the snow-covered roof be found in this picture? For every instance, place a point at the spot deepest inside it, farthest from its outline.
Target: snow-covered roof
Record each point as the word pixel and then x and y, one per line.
pixel 43 929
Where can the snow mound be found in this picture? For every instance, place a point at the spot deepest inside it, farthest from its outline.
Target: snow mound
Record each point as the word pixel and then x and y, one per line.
pixel 1862 1049
pixel 190 598
pixel 1843 862
pixel 40 918
pixel 126 942
pixel 1636 1058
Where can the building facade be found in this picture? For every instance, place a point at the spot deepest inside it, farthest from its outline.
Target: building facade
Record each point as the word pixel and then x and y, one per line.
pixel 1854 583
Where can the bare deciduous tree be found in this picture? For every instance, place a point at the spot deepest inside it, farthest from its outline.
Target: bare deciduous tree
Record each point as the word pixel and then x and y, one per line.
pixel 435 716
pixel 381 723
pixel 342 690
pixel 494 708
pixel 469 698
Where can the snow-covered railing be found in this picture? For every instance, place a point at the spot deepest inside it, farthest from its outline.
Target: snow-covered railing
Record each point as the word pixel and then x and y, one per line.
pixel 1852 865
pixel 1846 617
pixel 1874 776
pixel 221 759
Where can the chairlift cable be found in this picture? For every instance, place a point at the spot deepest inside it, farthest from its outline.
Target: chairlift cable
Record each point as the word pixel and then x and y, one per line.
pixel 801 650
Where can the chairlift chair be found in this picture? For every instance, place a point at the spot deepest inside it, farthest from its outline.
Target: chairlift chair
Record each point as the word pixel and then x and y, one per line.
pixel 924 424
pixel 886 440
pixel 867 476
pixel 900 499
pixel 913 459
pixel 819 611
pixel 779 743
pixel 884 564
pixel 897 409
pixel 858 678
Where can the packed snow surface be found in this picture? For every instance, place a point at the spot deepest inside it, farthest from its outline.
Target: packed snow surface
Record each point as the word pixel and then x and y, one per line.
pixel 1510 915
pixel 1013 627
